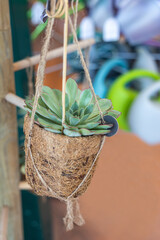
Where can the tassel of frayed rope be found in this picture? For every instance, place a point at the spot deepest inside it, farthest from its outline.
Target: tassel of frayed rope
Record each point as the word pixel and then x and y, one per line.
pixel 73 214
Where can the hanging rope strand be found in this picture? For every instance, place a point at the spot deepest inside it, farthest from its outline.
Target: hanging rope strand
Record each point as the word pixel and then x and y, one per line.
pixel 29 72
pixel 78 219
pixel 75 12
pixel 72 5
pixel 85 67
pixel 68 219
pixel 76 15
pixel 64 61
pixel 41 72
pixel 86 55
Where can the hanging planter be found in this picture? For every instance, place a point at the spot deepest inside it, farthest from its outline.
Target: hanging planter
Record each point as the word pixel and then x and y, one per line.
pixel 64 154
pixel 65 131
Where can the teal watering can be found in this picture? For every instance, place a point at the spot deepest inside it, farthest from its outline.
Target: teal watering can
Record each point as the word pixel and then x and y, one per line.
pixel 99 83
pixel 122 96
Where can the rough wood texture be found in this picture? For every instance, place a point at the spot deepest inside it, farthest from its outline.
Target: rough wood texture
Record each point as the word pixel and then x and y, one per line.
pixel 9 172
pixel 15 100
pixel 4 223
pixel 62 161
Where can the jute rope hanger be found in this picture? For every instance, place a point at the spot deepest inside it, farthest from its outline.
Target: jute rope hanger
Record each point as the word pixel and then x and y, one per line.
pixel 29 72
pixel 75 12
pixel 41 70
pixel 64 61
pixel 70 217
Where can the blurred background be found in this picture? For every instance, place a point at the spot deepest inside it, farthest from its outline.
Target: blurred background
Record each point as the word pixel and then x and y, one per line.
pixel 123 200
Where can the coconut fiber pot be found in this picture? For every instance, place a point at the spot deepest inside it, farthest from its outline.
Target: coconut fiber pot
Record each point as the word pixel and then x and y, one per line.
pixel 62 161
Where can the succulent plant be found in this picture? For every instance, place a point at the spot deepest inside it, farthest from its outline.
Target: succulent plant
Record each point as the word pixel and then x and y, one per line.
pixel 82 115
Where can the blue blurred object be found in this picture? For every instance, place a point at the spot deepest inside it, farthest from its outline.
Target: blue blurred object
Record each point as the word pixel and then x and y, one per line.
pixel 75 66
pixel 101 52
pixel 99 84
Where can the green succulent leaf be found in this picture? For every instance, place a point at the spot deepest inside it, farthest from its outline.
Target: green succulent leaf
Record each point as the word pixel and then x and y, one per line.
pixel 100 132
pixel 45 113
pixel 71 133
pixel 74 107
pixel 89 109
pixel 49 124
pixel 78 95
pixel 104 105
pixel 47 99
pixel 85 98
pixel 114 113
pixel 89 126
pixel 72 121
pixel 52 94
pixel 93 119
pixel 54 116
pixel 48 114
pixel 41 103
pixel 72 128
pixel 71 90
pixel 58 95
pixel 103 127
pixel 82 117
pixel 86 132
pixel 53 130
pixel 93 99
pixel 81 112
pixel 29 104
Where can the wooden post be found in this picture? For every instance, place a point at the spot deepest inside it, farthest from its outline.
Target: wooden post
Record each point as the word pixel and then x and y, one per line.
pixel 4 223
pixel 9 167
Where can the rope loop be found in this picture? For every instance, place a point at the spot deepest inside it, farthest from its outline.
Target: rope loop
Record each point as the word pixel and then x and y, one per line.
pixel 59 9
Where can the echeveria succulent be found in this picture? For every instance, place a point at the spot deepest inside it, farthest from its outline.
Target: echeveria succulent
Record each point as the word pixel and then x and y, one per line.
pixel 82 115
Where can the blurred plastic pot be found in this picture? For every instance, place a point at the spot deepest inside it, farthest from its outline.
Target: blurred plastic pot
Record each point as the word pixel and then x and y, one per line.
pixel 111 30
pixel 123 3
pixel 36 12
pixel 145 61
pixel 101 11
pixel 122 96
pixel 87 28
pixel 144 115
pixel 139 20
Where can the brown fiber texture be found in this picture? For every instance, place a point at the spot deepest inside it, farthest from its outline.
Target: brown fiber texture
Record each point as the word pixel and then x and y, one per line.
pixel 62 161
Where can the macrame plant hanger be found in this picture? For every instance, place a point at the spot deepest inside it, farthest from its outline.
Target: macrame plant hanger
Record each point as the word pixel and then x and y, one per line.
pixel 56 10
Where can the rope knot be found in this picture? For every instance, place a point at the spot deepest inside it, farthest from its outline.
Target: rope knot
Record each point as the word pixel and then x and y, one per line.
pixel 68 219
pixel 73 214
pixel 53 11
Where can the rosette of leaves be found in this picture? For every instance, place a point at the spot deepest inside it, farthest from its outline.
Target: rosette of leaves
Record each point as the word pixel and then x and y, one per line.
pixel 82 116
